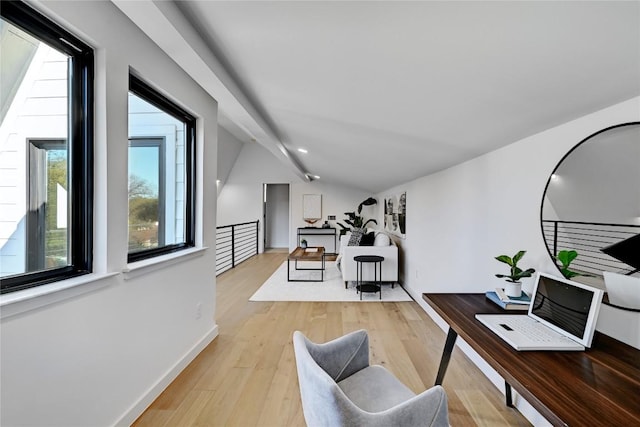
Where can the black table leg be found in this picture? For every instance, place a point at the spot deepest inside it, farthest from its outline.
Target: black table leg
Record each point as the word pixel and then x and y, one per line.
pixel 380 282
pixel 446 355
pixel 507 394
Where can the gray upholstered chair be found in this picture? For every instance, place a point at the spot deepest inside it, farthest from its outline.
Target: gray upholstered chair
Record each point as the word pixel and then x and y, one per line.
pixel 338 387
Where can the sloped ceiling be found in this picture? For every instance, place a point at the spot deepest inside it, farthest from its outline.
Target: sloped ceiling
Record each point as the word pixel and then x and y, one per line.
pixel 380 93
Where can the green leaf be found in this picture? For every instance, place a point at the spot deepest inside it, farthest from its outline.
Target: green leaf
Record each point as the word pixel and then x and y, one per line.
pixel 566 257
pixel 504 258
pixel 528 272
pixel 517 257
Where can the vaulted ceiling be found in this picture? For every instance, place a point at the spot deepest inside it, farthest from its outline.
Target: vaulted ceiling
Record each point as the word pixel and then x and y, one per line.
pixel 380 93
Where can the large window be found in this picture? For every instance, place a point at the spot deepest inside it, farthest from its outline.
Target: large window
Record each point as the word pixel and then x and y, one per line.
pixel 46 159
pixel 161 174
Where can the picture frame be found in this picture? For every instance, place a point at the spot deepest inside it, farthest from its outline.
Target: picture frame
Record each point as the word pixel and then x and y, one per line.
pixel 395 214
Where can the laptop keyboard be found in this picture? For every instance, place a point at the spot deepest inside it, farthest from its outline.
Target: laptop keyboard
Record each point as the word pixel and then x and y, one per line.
pixel 532 330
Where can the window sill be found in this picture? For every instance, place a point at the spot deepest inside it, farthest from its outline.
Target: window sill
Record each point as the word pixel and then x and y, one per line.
pixel 138 268
pixel 30 299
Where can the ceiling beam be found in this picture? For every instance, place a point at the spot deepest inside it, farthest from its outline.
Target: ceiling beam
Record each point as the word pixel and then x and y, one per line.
pixel 163 23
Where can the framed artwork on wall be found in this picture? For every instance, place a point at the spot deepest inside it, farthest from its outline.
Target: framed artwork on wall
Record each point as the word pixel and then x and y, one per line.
pixel 395 214
pixel 311 207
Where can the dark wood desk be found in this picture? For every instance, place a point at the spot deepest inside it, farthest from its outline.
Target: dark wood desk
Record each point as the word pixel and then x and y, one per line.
pixel 596 387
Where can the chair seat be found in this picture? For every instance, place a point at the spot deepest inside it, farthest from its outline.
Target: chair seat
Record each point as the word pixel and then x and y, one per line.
pixel 374 389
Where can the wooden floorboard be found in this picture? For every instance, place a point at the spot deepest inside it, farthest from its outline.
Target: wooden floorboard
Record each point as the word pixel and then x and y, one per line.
pixel 247 375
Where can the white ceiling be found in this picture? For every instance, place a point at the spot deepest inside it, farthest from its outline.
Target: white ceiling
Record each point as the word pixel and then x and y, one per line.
pixel 381 93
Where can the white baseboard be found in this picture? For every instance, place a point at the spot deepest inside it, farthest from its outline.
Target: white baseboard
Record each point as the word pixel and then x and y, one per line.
pixel 154 391
pixel 528 411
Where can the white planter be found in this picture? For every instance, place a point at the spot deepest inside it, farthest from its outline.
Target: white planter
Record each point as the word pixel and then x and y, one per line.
pixel 513 289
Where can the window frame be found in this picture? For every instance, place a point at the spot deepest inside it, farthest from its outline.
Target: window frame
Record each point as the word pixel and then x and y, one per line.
pixel 80 145
pixel 147 93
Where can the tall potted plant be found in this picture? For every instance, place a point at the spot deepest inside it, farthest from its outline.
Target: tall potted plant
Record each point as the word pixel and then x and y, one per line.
pixel 355 220
pixel 513 287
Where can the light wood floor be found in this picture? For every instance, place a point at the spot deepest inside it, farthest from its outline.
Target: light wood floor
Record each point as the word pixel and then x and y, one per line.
pixel 247 375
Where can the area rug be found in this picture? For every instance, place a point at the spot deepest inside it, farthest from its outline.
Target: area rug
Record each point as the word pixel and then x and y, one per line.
pixel 276 288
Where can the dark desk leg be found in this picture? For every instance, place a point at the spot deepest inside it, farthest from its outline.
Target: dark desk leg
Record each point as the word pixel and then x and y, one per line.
pixel 446 355
pixel 507 394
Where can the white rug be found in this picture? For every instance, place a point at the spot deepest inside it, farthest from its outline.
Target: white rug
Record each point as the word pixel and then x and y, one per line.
pixel 276 288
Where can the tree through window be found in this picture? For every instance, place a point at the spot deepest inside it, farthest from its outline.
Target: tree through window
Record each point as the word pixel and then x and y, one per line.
pixel 161 174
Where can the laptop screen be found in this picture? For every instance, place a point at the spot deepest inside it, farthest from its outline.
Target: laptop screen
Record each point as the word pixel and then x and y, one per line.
pixel 566 306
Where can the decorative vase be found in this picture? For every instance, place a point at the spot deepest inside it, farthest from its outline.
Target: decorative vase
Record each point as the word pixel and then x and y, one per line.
pixel 303 244
pixel 513 289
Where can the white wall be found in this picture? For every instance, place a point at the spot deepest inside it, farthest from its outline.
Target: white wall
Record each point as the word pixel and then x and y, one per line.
pixel 241 197
pixel 336 200
pixel 486 207
pixel 459 219
pixel 98 353
pixel 228 150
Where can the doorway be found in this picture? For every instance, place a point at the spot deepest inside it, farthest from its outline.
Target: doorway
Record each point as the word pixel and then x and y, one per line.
pixel 276 216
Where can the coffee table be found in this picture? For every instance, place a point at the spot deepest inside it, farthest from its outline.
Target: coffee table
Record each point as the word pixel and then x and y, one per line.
pixel 312 253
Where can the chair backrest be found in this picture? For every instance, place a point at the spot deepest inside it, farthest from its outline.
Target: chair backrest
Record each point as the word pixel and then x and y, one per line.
pixel 322 366
pixel 323 402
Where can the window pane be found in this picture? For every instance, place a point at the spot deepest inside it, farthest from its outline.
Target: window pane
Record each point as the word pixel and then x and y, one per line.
pixel 33 154
pixel 145 221
pixel 156 177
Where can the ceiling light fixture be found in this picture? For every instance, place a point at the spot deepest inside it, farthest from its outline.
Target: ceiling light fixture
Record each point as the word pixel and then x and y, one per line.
pixel 302 150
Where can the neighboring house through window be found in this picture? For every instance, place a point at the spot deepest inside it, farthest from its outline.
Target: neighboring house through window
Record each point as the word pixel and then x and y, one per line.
pixel 161 174
pixel 46 151
pixel 47 239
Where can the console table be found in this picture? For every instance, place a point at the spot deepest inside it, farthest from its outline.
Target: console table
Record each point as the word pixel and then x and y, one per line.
pixel 598 386
pixel 317 231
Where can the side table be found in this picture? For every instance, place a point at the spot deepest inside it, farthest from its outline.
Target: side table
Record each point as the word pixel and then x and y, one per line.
pixel 369 286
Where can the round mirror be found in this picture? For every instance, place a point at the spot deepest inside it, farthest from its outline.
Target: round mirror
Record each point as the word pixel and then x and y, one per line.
pixel 591 205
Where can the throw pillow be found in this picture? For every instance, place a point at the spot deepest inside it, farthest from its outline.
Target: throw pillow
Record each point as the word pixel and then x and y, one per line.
pixel 368 239
pixel 356 237
pixel 382 240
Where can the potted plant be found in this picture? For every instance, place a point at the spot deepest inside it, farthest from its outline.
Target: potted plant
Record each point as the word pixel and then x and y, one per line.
pixel 566 257
pixel 303 243
pixel 514 286
pixel 355 220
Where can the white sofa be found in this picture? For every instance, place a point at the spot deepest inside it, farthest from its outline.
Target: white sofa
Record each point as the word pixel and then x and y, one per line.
pixel 347 264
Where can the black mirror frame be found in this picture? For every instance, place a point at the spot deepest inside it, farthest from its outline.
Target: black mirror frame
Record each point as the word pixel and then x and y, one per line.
pixel 544 194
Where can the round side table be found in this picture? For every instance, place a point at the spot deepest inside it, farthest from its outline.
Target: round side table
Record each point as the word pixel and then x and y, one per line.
pixel 369 286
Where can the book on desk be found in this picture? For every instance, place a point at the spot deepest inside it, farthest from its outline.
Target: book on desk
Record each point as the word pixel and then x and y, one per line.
pixel 520 303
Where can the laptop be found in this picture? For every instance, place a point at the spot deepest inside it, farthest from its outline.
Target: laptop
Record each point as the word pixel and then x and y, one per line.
pixel 623 291
pixel 562 316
